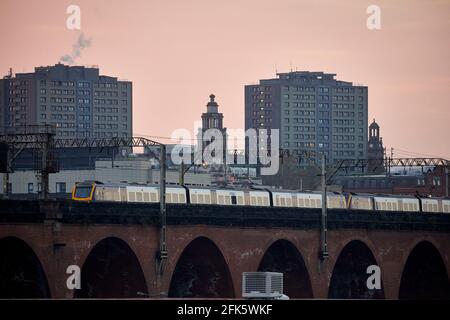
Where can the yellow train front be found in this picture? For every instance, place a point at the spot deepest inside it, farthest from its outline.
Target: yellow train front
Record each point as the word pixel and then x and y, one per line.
pixel 84 191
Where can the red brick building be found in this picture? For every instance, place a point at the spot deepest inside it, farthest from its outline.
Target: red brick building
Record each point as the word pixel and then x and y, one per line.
pixel 430 182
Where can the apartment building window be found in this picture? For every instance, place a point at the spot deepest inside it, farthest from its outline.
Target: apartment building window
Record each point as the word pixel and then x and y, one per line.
pixel 436 181
pixel 60 187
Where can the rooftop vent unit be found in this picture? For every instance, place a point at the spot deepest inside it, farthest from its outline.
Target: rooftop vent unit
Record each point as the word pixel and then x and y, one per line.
pixel 262 285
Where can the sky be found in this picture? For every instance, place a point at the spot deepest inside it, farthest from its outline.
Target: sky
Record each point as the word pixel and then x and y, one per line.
pixel 177 53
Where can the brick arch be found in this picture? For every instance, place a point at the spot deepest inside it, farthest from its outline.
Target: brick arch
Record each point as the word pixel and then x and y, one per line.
pixel 141 241
pixel 348 273
pixel 27 265
pixel 179 238
pixel 308 253
pixel 436 244
pixel 421 279
pixel 335 251
pixel 123 276
pixel 283 255
pixel 200 269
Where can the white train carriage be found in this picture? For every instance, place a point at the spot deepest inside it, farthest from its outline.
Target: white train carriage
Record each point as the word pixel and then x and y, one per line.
pixel 309 200
pixel 409 204
pixel 142 194
pixel 151 194
pixel 230 197
pixel 112 192
pixel 259 198
pixel 396 204
pixel 430 205
pixel 200 196
pixel 361 202
pixel 284 199
pixel 336 201
pixel 386 204
pixel 445 205
pixel 175 195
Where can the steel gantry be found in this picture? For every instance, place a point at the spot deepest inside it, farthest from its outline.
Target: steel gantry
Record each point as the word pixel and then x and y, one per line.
pixel 309 157
pixel 42 138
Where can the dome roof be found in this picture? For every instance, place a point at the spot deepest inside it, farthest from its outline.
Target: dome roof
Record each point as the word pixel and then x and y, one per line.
pixel 374 125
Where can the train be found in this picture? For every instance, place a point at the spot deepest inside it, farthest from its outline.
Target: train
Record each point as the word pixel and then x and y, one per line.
pixel 95 191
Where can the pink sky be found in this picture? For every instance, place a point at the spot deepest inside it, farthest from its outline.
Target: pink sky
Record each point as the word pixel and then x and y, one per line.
pixel 178 52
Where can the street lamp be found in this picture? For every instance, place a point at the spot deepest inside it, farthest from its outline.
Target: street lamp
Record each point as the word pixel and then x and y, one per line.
pixel 324 225
pixel 184 169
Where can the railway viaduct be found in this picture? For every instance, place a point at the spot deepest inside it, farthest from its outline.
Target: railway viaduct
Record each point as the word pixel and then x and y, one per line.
pixel 210 246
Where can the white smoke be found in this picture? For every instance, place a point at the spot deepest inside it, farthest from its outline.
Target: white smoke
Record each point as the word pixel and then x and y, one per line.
pixel 77 47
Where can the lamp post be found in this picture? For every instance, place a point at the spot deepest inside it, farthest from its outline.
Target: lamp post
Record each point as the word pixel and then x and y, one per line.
pixel 184 169
pixel 324 224
pixel 323 254
pixel 162 253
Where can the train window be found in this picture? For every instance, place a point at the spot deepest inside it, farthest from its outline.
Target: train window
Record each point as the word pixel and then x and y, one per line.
pixel 194 198
pixel 289 202
pixel 139 196
pixel 132 196
pixel 200 198
pixel 283 202
pixel 207 198
pixel 83 192
pixel 97 194
pixel 307 204
pixel 116 195
pixel 153 196
pixel 265 201
pixel 259 201
pixel 253 201
pixel 233 200
pixel 318 203
pixel 182 198
pixel 146 197
pixel 240 200
pixel 389 206
pixel 220 199
pixel 301 202
pixel 330 203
